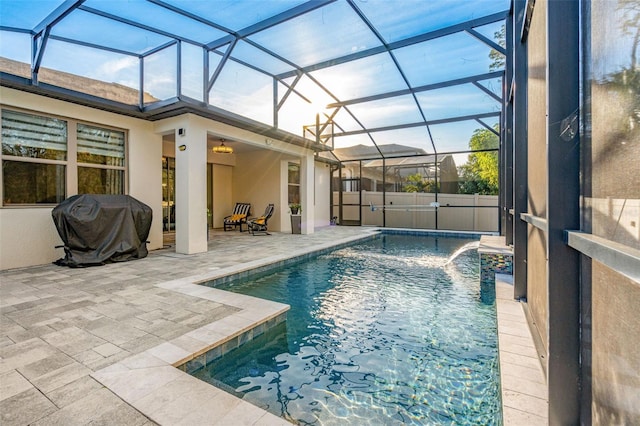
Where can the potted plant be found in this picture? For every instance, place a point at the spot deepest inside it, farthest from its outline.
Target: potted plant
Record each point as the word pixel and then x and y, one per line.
pixel 295 218
pixel 295 208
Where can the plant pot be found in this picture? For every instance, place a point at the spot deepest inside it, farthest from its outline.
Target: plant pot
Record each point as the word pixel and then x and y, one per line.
pixel 296 221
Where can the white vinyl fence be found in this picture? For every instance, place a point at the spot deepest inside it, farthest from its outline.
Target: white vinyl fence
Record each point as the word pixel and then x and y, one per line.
pixel 414 210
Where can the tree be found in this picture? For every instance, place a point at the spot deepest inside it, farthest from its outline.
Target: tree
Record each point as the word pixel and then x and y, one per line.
pixel 480 174
pixel 497 58
pixel 415 183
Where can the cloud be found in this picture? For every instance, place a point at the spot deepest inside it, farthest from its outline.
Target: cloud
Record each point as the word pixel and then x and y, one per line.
pixel 120 70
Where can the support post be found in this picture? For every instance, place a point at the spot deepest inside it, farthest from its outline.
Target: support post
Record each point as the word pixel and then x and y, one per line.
pixel 520 160
pixel 563 210
pixel 506 195
pixel 307 189
pixel 191 189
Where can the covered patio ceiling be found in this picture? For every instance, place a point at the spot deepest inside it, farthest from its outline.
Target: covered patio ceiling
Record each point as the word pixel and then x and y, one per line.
pixel 414 73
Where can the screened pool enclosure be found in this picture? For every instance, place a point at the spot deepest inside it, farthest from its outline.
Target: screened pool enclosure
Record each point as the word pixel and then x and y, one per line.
pixel 514 116
pixel 403 99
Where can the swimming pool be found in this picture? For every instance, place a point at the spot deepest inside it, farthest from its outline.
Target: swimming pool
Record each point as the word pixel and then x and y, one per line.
pixel 378 333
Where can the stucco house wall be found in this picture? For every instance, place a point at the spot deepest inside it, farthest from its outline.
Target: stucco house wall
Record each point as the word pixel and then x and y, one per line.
pixel 27 234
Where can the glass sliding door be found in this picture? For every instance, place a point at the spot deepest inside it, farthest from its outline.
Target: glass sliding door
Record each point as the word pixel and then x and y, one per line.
pixel 209 195
pixel 168 194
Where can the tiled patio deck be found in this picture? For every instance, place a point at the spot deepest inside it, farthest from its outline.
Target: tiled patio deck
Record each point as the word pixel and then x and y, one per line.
pixel 99 345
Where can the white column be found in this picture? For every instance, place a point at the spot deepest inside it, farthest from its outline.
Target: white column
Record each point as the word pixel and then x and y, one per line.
pixel 307 199
pixel 191 189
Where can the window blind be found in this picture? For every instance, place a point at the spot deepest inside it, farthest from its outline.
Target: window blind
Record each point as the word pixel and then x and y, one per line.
pixel 27 135
pixel 100 146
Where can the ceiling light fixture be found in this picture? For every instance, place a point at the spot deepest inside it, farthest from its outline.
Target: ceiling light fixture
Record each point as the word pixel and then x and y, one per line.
pixel 222 148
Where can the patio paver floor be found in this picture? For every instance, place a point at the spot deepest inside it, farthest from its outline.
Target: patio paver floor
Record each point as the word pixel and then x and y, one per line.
pixel 60 328
pixel 99 345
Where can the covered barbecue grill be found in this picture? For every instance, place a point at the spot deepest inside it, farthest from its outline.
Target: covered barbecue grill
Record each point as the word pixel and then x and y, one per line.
pixel 99 229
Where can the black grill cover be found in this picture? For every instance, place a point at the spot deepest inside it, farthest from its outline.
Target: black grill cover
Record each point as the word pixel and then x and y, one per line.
pixel 99 229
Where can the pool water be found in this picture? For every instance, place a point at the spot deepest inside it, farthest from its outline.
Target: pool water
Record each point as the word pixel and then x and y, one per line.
pixel 378 333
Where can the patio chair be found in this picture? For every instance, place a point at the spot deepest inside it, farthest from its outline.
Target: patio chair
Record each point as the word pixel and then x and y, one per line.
pixel 239 216
pixel 259 224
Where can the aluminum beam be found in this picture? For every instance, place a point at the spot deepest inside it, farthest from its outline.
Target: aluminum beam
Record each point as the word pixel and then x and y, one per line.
pixel 161 47
pixel 289 91
pixel 273 21
pixel 375 31
pixel 489 128
pixel 190 15
pixel 138 25
pixel 506 191
pixel 42 31
pixel 425 88
pixel 489 92
pixel 221 64
pixel 15 30
pixel 520 153
pixel 420 124
pixel 563 211
pixel 94 46
pixel 492 44
pixel 57 15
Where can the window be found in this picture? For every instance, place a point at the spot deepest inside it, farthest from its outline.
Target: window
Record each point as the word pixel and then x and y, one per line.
pixel 34 153
pixel 294 183
pixel 100 160
pixel 39 165
pixel 33 183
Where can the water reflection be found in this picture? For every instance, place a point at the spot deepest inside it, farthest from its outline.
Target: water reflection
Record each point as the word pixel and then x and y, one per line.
pixel 377 333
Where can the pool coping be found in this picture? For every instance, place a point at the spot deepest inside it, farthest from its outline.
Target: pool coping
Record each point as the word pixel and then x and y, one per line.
pixel 151 382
